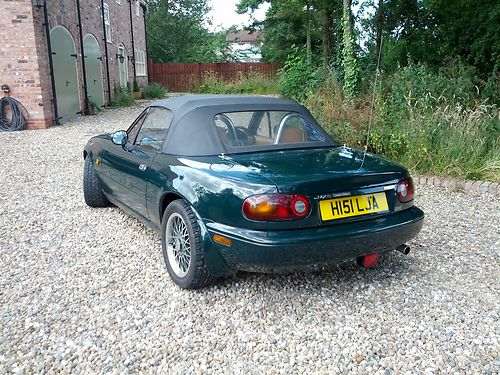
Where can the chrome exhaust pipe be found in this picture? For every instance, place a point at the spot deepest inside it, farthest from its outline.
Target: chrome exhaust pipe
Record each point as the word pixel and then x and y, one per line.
pixel 403 249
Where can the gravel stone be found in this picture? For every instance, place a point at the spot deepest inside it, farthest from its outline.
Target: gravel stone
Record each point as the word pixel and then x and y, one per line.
pixel 86 291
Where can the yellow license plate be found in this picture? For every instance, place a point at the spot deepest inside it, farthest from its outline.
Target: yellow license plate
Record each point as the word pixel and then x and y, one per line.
pixel 338 208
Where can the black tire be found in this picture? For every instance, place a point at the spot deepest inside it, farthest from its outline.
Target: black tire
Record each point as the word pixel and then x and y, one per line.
pixel 197 275
pixel 92 189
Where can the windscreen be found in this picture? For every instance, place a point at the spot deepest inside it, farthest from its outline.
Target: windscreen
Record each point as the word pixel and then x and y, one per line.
pixel 254 130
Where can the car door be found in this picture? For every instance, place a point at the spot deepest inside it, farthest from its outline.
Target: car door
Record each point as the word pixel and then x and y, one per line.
pixel 128 165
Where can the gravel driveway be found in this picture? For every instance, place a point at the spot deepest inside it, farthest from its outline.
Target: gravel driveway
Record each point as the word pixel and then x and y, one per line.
pixel 86 291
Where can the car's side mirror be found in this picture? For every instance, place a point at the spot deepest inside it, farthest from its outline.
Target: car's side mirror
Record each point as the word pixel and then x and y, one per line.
pixel 119 138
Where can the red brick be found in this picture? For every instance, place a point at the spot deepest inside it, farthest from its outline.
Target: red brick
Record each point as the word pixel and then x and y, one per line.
pixel 24 58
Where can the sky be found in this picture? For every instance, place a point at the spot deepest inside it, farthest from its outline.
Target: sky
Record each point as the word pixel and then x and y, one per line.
pixel 224 15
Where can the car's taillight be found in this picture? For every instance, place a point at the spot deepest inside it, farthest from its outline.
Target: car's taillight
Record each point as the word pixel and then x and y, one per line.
pixel 276 207
pixel 405 190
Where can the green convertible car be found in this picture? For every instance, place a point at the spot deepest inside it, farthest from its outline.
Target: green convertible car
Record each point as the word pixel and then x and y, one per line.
pixel 249 183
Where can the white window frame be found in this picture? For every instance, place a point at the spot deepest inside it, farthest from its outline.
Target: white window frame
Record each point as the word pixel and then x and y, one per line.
pixel 137 8
pixel 107 23
pixel 140 63
pixel 119 2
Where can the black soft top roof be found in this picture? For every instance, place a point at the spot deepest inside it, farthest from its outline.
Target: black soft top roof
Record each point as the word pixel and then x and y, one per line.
pixel 192 131
pixel 186 103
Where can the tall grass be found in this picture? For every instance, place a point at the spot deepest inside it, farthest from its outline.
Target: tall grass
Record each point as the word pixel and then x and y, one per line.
pixel 433 123
pixel 252 83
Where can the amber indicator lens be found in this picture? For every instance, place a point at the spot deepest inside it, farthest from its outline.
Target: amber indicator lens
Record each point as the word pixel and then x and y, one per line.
pixel 222 240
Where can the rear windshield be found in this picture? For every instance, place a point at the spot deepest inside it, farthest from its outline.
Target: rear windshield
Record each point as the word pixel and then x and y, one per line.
pixel 254 130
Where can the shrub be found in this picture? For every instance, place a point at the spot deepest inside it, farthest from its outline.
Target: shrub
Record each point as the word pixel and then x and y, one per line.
pixel 298 79
pixel 153 91
pixel 93 105
pixel 136 87
pixel 123 97
pixel 345 121
pixel 491 90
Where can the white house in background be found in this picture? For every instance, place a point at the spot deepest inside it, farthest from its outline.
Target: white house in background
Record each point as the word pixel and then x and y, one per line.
pixel 244 46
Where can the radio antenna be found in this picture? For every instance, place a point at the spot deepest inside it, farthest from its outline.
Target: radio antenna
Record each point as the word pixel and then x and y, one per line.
pixel 377 72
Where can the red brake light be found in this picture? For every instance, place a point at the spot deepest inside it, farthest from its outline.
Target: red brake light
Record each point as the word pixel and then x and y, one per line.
pixel 405 190
pixel 276 207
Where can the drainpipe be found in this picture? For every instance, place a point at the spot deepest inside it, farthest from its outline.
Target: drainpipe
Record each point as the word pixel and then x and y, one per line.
pixel 132 33
pixel 51 64
pixel 144 12
pixel 106 52
pixel 84 70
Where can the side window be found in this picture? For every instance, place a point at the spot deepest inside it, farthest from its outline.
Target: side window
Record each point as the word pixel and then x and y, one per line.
pixel 154 129
pixel 135 127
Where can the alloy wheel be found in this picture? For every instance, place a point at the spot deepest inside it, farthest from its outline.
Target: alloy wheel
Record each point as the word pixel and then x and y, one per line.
pixel 178 244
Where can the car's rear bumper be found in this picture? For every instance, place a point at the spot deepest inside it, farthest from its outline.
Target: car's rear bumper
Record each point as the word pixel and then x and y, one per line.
pixel 294 249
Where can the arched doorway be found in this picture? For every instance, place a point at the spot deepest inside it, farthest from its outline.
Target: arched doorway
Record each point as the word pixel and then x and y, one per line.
pixel 65 74
pixel 122 65
pixel 93 69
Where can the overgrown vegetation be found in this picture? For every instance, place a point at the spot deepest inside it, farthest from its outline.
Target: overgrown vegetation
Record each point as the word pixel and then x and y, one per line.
pixel 296 78
pixel 123 96
pixel 153 91
pixel 93 107
pixel 432 122
pixel 253 83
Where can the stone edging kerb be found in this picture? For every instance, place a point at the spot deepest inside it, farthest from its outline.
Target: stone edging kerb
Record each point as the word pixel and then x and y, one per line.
pixel 451 183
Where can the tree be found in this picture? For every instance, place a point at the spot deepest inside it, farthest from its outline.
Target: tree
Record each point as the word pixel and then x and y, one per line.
pixel 379 26
pixel 349 58
pixel 434 32
pixel 323 27
pixel 467 29
pixel 288 23
pixel 176 32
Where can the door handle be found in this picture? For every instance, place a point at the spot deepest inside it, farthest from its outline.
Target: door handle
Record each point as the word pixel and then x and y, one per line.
pixel 142 167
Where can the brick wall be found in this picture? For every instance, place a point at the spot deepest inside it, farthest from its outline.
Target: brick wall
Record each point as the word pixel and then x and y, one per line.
pixel 63 12
pixel 19 64
pixel 24 54
pixel 120 33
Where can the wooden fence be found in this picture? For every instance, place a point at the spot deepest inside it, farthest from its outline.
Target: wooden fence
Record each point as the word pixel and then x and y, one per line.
pixel 186 77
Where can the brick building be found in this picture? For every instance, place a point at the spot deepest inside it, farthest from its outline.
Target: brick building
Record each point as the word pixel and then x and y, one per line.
pixel 52 85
